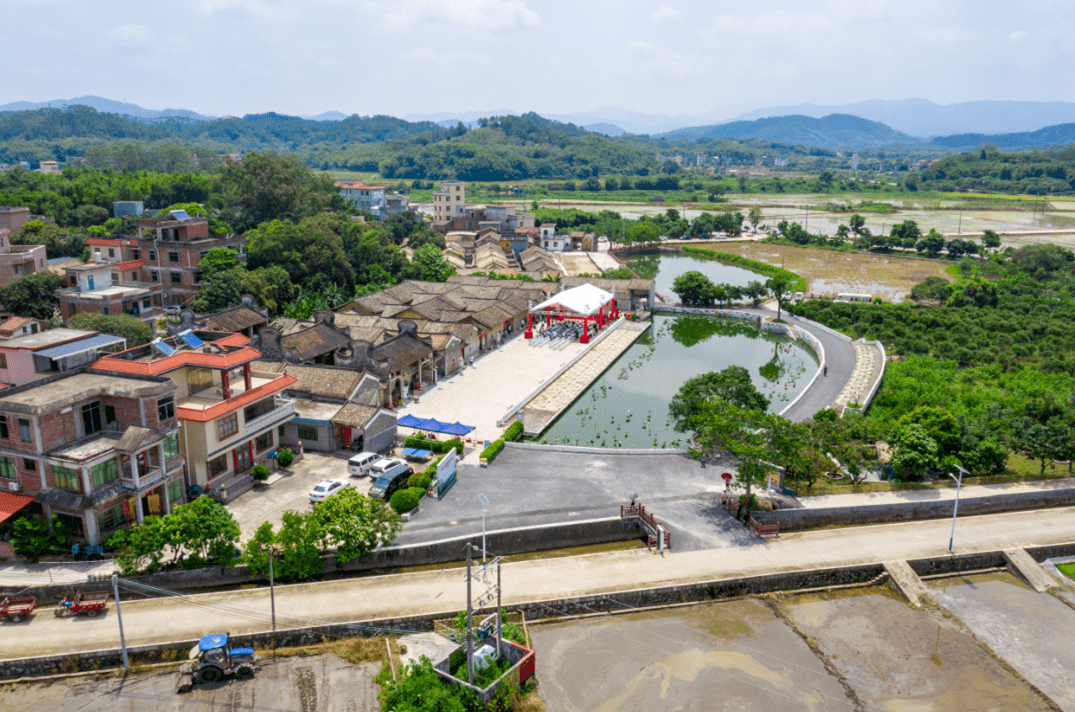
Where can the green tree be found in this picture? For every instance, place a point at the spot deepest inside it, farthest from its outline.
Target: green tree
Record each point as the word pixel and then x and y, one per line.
pixel 754 217
pixel 33 296
pixel 1043 440
pixel 732 385
pixel 756 291
pixel 299 540
pixel 136 331
pixel 216 260
pixel 693 288
pixel 915 451
pixel 311 252
pixel 939 424
pixel 30 538
pixel 266 187
pixel 257 550
pixel 990 239
pixel 780 287
pixel 857 223
pixel 354 524
pixel 141 548
pixel 434 267
pixel 205 529
pixel 640 231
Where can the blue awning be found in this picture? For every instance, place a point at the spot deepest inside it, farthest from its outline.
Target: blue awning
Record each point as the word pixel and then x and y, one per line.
pixel 74 347
pixel 433 425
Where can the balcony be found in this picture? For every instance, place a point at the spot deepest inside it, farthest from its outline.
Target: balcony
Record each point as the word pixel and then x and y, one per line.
pixel 283 411
pixel 146 481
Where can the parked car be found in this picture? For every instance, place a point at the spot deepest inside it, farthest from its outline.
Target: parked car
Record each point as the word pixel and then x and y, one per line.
pixel 388 467
pixel 387 485
pixel 326 488
pixel 362 463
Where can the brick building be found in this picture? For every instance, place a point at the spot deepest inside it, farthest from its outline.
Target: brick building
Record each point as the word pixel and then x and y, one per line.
pixel 109 288
pixel 170 247
pixel 14 218
pixel 19 260
pixel 98 450
pixel 230 414
pixel 42 353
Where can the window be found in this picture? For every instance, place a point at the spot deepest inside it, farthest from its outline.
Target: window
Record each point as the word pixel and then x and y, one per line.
pixel 227 426
pixel 136 254
pixel 105 311
pixel 111 252
pixel 258 409
pixel 29 465
pixel 24 431
pixel 154 276
pixel 104 472
pixel 166 408
pixel 147 303
pixel 264 442
pixel 7 468
pixel 175 492
pixel 307 432
pixel 91 417
pixel 177 277
pixel 171 446
pixel 3 427
pixel 152 255
pixel 173 257
pixel 218 465
pixel 110 413
pixel 3 360
pixel 66 478
pixel 110 519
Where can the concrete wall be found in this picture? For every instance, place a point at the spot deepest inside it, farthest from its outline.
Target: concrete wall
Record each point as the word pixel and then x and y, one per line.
pixel 798 519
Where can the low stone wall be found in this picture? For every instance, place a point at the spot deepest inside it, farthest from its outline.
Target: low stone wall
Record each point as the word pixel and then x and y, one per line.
pixel 807 518
pixel 596 450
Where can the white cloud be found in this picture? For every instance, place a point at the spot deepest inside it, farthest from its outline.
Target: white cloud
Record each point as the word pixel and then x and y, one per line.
pixel 425 54
pixel 658 59
pixel 665 13
pixel 130 36
pixel 487 15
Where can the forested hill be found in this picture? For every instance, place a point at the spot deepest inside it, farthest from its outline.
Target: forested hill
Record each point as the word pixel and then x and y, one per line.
pixel 990 170
pixel 1059 135
pixel 832 131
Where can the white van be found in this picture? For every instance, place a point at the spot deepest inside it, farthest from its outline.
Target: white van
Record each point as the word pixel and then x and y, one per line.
pixel 388 467
pixel 361 463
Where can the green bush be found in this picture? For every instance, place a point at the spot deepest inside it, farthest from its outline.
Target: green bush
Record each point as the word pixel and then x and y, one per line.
pixel 260 473
pixel 514 431
pixel 285 457
pixel 456 443
pixel 404 500
pixel 438 446
pixel 420 480
pixel 489 453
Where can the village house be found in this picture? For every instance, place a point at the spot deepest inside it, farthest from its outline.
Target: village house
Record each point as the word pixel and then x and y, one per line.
pixel 33 356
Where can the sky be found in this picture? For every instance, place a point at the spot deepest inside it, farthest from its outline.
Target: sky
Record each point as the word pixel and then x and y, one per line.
pixel 411 57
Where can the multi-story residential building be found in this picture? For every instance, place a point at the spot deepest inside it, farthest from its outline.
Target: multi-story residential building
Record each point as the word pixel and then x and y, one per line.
pixel 230 414
pixel 50 167
pixel 450 201
pixel 366 197
pixel 39 354
pixel 98 450
pixel 170 247
pixel 109 288
pixel 19 260
pixel 14 218
pixel 551 240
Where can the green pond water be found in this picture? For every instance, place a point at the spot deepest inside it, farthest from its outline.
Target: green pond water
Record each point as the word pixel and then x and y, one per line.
pixel 628 405
pixel 664 267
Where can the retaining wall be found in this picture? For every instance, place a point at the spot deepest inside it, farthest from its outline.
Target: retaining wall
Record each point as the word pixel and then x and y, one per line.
pixel 807 518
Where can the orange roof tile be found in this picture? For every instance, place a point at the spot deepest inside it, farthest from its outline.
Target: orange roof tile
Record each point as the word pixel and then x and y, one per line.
pixel 10 503
pixel 129 265
pixel 179 360
pixel 225 407
pixel 102 241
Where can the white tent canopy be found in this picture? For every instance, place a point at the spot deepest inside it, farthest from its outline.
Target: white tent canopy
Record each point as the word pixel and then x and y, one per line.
pixel 584 300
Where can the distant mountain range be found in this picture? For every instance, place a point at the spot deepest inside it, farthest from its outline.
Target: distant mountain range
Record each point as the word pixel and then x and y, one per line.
pixel 108 106
pixel 1059 135
pixel 833 131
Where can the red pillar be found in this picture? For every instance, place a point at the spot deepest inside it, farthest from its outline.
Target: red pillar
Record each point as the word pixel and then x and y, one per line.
pixel 226 387
pixel 246 375
pixel 250 445
pixel 529 327
pixel 585 331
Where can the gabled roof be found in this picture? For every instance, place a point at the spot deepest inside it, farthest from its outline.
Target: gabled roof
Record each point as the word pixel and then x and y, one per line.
pixel 401 351
pixel 325 381
pixel 315 341
pixel 234 319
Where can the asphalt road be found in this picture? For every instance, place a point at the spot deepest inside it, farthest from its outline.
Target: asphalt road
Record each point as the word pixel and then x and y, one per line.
pixel 443 592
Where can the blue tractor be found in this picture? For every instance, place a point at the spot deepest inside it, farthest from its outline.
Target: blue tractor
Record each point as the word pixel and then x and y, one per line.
pixel 212 661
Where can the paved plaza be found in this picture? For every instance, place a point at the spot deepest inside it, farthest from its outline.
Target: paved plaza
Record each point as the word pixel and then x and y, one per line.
pixel 482 393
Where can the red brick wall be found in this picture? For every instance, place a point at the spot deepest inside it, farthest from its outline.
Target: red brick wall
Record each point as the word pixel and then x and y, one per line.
pixel 196 232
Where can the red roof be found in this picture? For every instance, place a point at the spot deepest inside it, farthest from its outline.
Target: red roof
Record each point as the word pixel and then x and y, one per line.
pixel 129 265
pixel 104 242
pixel 11 503
pixel 225 407
pixel 179 360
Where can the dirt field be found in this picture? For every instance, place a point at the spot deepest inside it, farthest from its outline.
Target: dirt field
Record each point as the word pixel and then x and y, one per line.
pixel 828 272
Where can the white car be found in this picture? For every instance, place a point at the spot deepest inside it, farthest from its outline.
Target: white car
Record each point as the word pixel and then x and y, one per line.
pixel 326 488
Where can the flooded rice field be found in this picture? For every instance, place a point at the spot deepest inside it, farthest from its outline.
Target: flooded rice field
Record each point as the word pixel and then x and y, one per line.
pixel 993 644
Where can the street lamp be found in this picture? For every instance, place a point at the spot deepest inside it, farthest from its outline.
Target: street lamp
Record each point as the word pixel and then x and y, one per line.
pixel 484 501
pixel 955 510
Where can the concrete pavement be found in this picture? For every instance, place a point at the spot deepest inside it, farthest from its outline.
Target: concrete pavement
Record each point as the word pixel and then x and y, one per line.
pixel 942 494
pixel 443 592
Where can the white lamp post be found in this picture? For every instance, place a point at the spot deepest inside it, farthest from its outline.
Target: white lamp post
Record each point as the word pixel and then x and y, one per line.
pixel 484 501
pixel 955 510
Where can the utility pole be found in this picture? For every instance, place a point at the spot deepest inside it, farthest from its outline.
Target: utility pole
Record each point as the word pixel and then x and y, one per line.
pixel 955 510
pixel 470 627
pixel 959 230
pixel 484 501
pixel 498 621
pixel 119 617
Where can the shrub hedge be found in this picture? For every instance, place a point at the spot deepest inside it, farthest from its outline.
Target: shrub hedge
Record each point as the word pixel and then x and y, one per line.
pixel 285 457
pixel 493 450
pixel 438 446
pixel 798 283
pixel 514 431
pixel 404 500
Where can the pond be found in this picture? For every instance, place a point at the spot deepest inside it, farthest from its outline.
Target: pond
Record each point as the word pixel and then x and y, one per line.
pixel 664 267
pixel 627 406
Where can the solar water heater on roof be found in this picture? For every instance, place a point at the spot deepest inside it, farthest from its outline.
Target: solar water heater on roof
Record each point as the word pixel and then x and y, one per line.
pixel 163 347
pixel 192 341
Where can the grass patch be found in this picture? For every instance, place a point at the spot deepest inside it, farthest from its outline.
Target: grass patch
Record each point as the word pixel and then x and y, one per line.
pixel 353 650
pixel 798 283
pixel 1067 569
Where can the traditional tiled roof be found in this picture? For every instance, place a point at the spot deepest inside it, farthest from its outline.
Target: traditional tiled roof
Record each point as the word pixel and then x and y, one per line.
pixel 354 415
pixel 325 381
pixel 401 351
pixel 315 341
pixel 234 319
pixel 640 285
